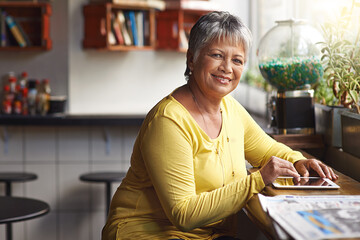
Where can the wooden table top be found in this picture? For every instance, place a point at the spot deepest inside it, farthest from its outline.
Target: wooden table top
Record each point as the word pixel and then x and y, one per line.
pixel 253 209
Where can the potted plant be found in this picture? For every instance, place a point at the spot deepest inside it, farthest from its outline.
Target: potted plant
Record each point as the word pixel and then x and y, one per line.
pixel 341 58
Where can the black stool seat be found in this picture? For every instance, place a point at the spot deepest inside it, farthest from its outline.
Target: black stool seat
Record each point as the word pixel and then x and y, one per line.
pixel 14 209
pixel 107 178
pixel 103 177
pixel 17 176
pixel 8 178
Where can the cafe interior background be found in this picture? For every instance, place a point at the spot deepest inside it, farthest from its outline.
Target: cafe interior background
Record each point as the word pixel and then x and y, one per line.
pixel 103 83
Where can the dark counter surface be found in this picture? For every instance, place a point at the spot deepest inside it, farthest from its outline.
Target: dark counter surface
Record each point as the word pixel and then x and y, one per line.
pixel 72 120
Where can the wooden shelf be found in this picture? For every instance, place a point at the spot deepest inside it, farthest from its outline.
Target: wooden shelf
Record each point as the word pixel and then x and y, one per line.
pixel 98 26
pixel 175 22
pixel 34 19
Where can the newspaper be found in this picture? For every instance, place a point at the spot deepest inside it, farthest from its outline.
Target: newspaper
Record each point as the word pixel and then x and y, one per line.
pixel 314 217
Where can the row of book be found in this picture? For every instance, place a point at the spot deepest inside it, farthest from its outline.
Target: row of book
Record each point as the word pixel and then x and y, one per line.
pixel 11 32
pixel 130 28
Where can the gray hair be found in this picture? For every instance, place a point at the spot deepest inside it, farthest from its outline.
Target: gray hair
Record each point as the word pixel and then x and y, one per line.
pixel 218 25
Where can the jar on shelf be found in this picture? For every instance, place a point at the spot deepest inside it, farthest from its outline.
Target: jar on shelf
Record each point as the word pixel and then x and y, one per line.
pixel 289 55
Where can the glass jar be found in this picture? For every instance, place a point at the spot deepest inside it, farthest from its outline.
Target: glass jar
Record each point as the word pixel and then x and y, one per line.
pixel 289 55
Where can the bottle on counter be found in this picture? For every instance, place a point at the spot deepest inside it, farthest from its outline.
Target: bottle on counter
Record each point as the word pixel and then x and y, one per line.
pixel 6 107
pixel 43 97
pixel 32 94
pixel 17 104
pixel 12 85
pixel 25 107
pixel 23 79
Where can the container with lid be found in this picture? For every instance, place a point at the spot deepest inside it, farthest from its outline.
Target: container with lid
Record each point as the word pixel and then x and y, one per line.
pixel 289 55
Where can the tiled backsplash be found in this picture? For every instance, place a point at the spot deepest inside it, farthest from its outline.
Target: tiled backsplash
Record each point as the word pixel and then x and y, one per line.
pixel 59 155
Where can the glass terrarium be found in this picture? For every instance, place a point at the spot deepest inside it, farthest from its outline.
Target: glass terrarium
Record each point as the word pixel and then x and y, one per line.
pixel 289 55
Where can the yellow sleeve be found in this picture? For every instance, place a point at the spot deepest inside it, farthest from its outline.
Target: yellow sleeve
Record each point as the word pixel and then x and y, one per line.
pixel 167 151
pixel 259 146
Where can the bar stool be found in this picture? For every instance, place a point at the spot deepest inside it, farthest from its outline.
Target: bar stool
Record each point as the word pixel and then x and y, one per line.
pixel 8 178
pixel 107 178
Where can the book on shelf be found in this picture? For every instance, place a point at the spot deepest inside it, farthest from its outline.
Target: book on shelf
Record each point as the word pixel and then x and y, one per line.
pixel 26 37
pixel 122 22
pixel 116 28
pixel 139 18
pixel 111 33
pixel 2 29
pixel 146 29
pixel 15 30
pixel 157 4
pixel 131 23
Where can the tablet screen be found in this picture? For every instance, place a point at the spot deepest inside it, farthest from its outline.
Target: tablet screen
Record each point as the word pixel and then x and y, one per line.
pixel 305 182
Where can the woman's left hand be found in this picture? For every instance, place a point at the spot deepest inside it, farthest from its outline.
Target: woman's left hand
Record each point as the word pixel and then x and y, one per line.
pixel 306 165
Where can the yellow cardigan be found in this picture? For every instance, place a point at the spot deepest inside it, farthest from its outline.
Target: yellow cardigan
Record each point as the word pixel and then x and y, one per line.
pixel 183 184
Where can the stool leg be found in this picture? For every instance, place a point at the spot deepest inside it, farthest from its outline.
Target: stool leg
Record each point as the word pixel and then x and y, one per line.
pixel 8 189
pixel 8 225
pixel 8 231
pixel 108 198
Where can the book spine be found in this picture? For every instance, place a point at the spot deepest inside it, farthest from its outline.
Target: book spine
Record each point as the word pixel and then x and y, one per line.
pixel 140 27
pixel 25 36
pixel 125 33
pixel 117 30
pixel 15 30
pixel 2 29
pixel 133 28
pixel 111 33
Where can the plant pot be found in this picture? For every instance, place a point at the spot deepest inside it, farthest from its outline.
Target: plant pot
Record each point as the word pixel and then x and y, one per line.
pixel 351 132
pixel 328 123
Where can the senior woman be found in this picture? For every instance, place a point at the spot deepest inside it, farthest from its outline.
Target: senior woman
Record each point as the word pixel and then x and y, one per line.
pixel 188 178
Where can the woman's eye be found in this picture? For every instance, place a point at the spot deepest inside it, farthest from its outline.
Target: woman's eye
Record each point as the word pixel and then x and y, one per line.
pixel 238 61
pixel 217 55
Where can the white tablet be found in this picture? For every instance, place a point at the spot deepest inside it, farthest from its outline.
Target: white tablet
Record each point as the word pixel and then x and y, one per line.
pixel 304 183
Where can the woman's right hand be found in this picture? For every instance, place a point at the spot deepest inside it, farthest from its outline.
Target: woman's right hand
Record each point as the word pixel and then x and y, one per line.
pixel 276 167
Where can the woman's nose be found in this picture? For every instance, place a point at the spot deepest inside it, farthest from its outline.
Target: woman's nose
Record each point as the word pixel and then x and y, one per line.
pixel 226 66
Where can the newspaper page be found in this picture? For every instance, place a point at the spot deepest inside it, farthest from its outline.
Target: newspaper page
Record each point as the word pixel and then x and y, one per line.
pixel 314 217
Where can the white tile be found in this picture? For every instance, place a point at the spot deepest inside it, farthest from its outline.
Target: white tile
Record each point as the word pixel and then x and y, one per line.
pixel 40 143
pixel 97 223
pixel 17 188
pixel 73 144
pixel 2 231
pixel 11 144
pixel 44 187
pixel 42 228
pixel 18 230
pixel 74 226
pixel 106 143
pixel 73 193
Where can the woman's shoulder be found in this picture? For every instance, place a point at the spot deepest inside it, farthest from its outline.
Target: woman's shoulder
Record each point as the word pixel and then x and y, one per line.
pixel 231 104
pixel 168 107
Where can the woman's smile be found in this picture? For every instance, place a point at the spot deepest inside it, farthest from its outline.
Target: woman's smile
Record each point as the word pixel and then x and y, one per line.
pixel 222 79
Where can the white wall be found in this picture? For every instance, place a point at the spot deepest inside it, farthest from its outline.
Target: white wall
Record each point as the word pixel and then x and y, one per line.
pixel 100 82
pixel 124 82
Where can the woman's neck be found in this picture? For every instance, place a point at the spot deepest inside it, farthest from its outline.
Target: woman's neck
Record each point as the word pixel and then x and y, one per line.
pixel 207 105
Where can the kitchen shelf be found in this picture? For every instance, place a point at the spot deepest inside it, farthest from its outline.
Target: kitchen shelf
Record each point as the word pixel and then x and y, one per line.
pixel 99 22
pixel 173 25
pixel 34 20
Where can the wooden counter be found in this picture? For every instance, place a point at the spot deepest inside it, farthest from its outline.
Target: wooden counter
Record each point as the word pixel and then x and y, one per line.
pixel 72 119
pixel 253 209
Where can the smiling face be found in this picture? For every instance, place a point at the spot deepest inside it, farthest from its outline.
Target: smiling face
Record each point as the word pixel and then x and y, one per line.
pixel 218 68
